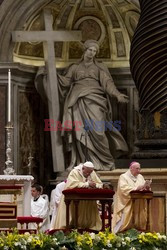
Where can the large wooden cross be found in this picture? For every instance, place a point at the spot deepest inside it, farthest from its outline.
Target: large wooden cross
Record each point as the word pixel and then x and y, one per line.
pixel 48 37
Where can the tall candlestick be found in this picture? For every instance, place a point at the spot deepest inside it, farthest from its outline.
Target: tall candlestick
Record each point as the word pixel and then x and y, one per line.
pixel 9 95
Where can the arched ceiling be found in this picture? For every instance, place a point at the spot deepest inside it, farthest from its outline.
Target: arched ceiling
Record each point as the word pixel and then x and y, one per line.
pixel 111 22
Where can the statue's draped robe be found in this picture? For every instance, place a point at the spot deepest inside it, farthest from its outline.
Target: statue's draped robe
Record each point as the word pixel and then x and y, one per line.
pixel 88 216
pixel 122 216
pixel 87 102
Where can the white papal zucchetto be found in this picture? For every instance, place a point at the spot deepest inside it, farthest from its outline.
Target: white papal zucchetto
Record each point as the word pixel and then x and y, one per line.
pixel 88 164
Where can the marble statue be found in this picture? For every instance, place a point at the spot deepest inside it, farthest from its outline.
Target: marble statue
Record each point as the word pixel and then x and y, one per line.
pixel 86 122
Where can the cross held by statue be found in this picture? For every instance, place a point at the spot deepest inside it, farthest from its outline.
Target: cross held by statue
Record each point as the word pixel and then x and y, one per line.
pixel 48 37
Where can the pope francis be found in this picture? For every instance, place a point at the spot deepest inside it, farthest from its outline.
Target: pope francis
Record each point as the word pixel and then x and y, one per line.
pixel 82 176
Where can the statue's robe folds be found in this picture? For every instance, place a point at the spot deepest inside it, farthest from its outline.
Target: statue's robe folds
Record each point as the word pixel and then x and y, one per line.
pixel 122 216
pixel 87 103
pixel 88 216
pixel 84 92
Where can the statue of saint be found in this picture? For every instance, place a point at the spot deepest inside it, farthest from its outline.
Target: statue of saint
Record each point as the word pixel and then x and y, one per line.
pixel 86 122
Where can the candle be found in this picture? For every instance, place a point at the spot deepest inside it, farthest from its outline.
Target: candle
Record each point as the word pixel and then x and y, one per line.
pixel 9 95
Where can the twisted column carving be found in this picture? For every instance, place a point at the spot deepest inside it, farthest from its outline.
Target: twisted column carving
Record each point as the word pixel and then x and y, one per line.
pixel 148 64
pixel 148 56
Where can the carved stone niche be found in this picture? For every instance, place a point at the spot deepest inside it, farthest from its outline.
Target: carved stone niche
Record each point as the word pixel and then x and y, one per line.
pixel 25 116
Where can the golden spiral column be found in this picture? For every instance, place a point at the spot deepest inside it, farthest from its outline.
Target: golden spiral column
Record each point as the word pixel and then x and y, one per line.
pixel 148 64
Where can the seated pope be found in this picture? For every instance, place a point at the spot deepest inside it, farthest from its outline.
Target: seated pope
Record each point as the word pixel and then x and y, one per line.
pixel 82 176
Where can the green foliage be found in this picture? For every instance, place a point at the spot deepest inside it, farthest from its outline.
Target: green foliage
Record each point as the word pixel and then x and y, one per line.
pixel 130 240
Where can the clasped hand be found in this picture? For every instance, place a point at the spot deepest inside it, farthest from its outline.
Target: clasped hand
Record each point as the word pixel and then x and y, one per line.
pixel 92 184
